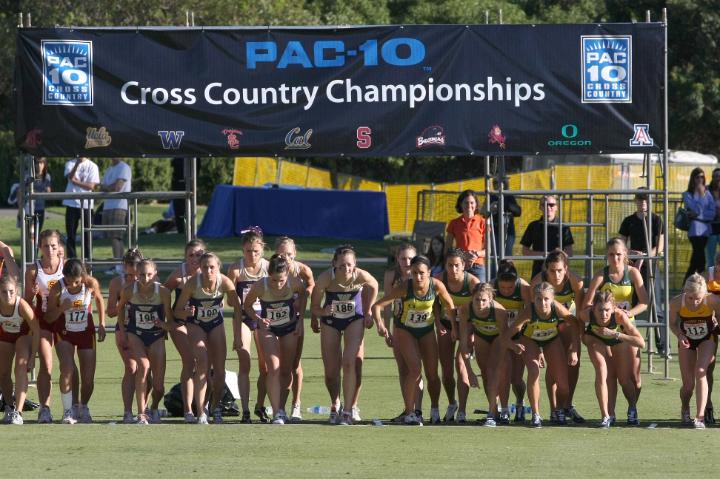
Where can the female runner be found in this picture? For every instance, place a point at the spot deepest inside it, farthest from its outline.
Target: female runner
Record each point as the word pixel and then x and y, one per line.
pixel 286 247
pixel 626 284
pixel 347 290
pixel 488 320
pixel 713 285
pixel 693 319
pixel 144 315
pixel 608 336
pixel 203 294
pixel 568 288
pixel 251 268
pixel 412 327
pixel 19 338
pixel 70 311
pixel 513 293
pixel 127 387
pixel 179 335
pixel 282 298
pixel 459 284
pixel 538 325
pixel 39 280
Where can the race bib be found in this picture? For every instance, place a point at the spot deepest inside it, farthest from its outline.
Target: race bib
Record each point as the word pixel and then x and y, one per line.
pixel 488 329
pixel 10 326
pixel 696 330
pixel 208 313
pixel 278 316
pixel 417 319
pixel 343 309
pixel 146 319
pixel 511 316
pixel 543 334
pixel 76 320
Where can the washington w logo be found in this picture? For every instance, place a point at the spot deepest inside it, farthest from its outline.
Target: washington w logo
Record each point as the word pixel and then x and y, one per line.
pixel 171 140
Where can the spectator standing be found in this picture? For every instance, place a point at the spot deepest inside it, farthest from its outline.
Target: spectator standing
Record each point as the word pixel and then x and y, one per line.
pixel 714 237
pixel 82 175
pixel 117 179
pixel 533 240
pixel 178 184
pixel 700 204
pixel 467 232
pixel 511 210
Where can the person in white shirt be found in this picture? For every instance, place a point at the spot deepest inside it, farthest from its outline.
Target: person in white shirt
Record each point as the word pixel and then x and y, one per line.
pixel 83 175
pixel 117 178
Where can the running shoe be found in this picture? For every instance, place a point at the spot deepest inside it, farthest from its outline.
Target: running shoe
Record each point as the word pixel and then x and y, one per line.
pixel 560 419
pixel 685 418
pixel 154 416
pixel 606 422
pixel 246 418
pixel 128 418
pixel 519 413
pixel 709 416
pixel 356 414
pixel 346 419
pixel 296 415
pixel 572 413
pixel 632 418
pixel 536 420
pixel 8 414
pixel 217 415
pixel 44 415
pixel 413 419
pixel 142 419
pixel 202 419
pixel 281 413
pixel 504 418
pixel 612 420
pixel 698 424
pixel 450 413
pixel 418 413
pixel 261 412
pixel 399 419
pixel 434 416
pixel 190 418
pixel 84 416
pixel 16 418
pixel 69 417
pixel 278 419
pixel 460 418
pixel 490 422
pixel 553 417
pixel 333 419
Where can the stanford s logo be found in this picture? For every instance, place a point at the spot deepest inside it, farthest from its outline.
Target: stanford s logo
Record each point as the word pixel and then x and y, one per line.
pixel 171 140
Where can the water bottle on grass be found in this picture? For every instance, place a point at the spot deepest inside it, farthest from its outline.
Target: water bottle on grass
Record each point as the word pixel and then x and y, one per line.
pixel 318 410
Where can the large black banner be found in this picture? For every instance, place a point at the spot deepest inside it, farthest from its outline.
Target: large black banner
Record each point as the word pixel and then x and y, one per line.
pixel 357 91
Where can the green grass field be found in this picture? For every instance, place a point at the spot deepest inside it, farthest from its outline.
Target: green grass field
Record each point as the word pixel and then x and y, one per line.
pixel 315 449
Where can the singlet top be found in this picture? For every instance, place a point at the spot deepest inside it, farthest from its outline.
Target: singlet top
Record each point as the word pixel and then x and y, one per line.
pixel 278 307
pixel 622 291
pixel 246 280
pixel 76 318
pixel 142 312
pixel 566 295
pixel 541 329
pixel 485 326
pixel 417 312
pixel 593 328
pixel 347 300
pixel 45 282
pixel 513 304
pixel 699 324
pixel 460 298
pixel 208 305
pixel 12 324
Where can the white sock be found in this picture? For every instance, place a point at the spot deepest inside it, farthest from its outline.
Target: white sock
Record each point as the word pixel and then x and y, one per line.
pixel 66 400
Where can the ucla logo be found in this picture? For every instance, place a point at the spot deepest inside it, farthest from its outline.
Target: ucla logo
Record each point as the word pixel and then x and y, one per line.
pixel 171 140
pixel 641 135
pixel 67 72
pixel 606 69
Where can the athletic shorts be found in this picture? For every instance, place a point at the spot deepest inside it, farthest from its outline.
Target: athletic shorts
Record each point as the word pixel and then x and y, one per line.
pixel 283 330
pixel 40 315
pixel 207 326
pixel 81 339
pixel 485 337
pixel 148 337
pixel 12 338
pixel 418 333
pixel 337 323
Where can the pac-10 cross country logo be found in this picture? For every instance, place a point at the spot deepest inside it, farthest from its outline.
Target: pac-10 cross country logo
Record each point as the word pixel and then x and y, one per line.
pixel 67 72
pixel 606 69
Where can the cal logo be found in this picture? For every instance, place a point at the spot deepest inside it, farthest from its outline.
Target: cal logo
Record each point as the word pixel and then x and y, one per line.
pixel 641 135
pixel 606 69
pixel 67 72
pixel 171 140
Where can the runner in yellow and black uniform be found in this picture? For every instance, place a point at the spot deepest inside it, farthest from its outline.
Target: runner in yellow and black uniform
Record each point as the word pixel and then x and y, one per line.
pixel 608 332
pixel 624 282
pixel 713 286
pixel 693 319
pixel 513 293
pixel 568 288
pixel 459 284
pixel 539 326
pixel 487 318
pixel 411 336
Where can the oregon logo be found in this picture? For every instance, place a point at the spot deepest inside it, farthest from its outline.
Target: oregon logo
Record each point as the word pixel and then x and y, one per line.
pixel 569 134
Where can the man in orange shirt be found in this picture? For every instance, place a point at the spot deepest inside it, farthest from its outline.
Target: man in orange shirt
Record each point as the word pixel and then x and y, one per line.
pixel 467 232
